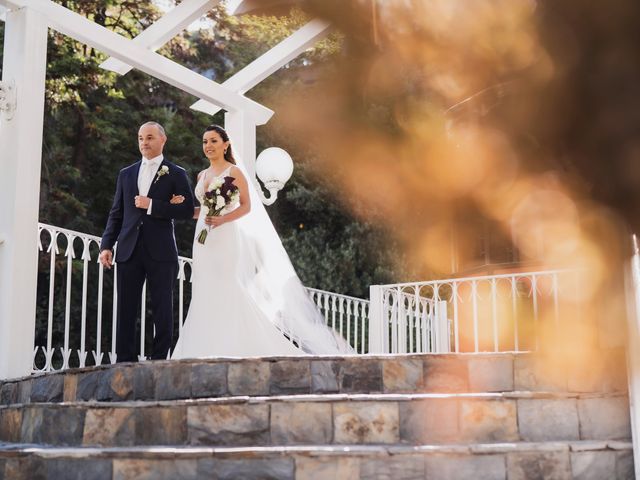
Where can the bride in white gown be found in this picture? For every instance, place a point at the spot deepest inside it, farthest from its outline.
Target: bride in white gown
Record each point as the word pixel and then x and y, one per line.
pixel 246 298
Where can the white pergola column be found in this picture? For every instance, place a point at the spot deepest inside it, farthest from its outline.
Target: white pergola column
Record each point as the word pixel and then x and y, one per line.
pixel 242 133
pixel 25 61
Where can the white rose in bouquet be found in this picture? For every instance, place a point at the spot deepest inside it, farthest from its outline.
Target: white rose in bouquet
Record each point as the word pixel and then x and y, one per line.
pixel 215 184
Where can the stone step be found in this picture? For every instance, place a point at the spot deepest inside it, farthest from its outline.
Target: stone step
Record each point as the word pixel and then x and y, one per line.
pixel 166 380
pixel 515 461
pixel 323 419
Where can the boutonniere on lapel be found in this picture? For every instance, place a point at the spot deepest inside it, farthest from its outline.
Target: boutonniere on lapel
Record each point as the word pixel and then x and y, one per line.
pixel 164 170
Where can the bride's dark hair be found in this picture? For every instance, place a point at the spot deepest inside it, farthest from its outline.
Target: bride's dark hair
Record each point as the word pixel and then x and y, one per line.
pixel 228 154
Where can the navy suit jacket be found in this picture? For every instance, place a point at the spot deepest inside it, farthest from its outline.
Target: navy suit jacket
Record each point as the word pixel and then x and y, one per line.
pixel 126 221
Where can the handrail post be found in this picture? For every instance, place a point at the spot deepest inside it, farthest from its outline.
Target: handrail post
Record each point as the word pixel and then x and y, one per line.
pixel 442 343
pixel 632 284
pixel 376 321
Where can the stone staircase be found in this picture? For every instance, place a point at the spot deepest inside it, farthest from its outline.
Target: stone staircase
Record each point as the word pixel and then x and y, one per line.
pixel 468 416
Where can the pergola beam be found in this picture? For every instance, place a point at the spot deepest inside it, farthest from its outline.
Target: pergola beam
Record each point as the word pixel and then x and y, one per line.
pixel 163 30
pixel 76 26
pixel 6 5
pixel 240 7
pixel 269 62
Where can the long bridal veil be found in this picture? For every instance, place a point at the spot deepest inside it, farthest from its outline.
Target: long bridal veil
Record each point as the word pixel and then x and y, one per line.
pixel 270 279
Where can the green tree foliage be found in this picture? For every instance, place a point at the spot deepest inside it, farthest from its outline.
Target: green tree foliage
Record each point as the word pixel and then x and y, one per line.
pixel 330 249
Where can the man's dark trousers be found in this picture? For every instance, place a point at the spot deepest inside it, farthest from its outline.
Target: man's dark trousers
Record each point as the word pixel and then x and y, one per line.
pixel 160 276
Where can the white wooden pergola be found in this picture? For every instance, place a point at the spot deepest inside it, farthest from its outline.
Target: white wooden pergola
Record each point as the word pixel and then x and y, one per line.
pixel 22 94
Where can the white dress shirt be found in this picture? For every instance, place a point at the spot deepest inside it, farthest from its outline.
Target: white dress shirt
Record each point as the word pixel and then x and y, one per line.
pixel 146 176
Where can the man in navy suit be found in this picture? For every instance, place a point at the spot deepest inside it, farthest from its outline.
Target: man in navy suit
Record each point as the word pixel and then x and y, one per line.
pixel 141 220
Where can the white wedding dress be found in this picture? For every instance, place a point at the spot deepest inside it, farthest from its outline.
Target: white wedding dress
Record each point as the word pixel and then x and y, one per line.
pixel 241 306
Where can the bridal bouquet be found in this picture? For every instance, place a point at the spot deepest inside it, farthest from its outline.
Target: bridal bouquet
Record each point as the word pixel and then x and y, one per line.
pixel 220 193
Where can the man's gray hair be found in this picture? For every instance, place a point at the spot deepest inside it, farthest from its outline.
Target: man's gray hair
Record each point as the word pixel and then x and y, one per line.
pixel 155 124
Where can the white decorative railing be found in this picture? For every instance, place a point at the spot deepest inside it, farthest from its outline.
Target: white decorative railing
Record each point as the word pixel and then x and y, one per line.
pixel 345 314
pixel 408 322
pixel 484 313
pixel 76 314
